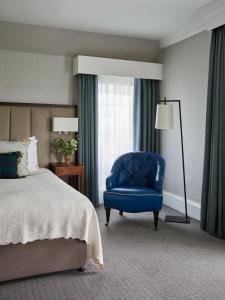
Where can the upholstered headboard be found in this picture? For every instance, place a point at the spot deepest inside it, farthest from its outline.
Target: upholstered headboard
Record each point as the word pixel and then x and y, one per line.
pixel 20 120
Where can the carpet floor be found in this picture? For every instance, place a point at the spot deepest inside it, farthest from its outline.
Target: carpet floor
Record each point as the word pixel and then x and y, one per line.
pixel 179 261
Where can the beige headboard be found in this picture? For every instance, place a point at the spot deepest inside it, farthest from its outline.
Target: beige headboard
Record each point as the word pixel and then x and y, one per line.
pixel 19 120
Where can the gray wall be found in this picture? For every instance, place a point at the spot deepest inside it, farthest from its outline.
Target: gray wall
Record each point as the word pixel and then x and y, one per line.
pixel 35 78
pixel 36 61
pixel 185 77
pixel 47 40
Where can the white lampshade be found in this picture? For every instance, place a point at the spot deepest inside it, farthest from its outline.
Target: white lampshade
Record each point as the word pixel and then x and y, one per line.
pixel 65 124
pixel 164 116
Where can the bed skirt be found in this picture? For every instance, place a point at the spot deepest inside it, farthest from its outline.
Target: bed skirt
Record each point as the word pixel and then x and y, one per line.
pixel 41 257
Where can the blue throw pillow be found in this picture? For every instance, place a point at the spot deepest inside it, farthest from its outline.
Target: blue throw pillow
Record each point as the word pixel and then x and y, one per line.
pixel 8 165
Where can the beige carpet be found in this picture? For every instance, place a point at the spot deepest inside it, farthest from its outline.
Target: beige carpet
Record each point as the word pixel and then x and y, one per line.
pixel 177 262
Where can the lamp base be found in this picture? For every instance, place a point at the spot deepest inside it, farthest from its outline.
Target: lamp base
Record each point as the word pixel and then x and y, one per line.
pixel 177 219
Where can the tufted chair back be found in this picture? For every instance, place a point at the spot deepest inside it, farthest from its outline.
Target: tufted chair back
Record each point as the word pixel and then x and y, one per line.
pixel 137 169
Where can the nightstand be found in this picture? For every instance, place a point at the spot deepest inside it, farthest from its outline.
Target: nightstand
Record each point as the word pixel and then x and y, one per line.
pixel 71 170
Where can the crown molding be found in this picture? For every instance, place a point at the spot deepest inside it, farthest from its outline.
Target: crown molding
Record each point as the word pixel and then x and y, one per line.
pixel 207 17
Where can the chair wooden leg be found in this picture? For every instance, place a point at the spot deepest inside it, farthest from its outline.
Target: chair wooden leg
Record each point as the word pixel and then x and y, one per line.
pixel 121 212
pixel 81 269
pixel 107 211
pixel 156 219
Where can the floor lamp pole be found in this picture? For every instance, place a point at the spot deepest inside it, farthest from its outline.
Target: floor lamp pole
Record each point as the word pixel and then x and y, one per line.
pixel 179 219
pixel 184 178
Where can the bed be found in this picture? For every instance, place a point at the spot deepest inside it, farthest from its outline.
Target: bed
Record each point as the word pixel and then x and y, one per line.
pixel 45 225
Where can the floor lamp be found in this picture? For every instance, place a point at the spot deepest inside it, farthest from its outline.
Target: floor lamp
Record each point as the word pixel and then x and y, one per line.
pixel 164 120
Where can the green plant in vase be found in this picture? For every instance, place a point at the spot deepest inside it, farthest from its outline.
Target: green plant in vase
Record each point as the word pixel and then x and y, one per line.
pixel 67 148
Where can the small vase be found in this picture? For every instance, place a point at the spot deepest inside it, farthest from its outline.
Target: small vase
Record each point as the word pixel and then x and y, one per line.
pixel 67 158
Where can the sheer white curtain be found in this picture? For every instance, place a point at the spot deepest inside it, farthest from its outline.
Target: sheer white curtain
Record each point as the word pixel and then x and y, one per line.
pixel 115 123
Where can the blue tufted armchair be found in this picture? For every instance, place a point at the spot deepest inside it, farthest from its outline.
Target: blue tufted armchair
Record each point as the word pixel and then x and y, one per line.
pixel 135 184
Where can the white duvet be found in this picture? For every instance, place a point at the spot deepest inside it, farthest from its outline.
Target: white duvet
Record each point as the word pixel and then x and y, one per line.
pixel 42 206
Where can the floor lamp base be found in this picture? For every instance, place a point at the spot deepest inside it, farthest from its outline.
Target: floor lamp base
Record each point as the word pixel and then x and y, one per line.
pixel 177 219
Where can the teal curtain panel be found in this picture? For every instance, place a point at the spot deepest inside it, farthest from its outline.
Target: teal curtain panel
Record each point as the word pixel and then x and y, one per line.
pixel 213 187
pixel 86 93
pixel 146 95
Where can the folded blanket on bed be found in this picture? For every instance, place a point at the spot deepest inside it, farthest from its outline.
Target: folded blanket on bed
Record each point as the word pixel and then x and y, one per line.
pixel 42 206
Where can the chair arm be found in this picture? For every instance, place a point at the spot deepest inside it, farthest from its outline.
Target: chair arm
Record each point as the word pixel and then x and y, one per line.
pixel 158 185
pixel 111 181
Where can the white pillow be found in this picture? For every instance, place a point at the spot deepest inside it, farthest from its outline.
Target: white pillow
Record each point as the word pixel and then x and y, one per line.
pixel 32 155
pixel 22 147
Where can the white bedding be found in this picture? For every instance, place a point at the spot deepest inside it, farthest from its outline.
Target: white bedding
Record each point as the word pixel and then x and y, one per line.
pixel 42 206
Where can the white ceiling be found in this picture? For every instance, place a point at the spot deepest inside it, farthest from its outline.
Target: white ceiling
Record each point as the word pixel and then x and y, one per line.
pixel 152 19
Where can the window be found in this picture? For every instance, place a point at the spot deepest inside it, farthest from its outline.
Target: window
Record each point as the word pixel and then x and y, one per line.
pixel 115 122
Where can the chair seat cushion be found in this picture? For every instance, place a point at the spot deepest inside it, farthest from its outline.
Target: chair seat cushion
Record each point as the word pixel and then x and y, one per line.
pixel 139 191
pixel 133 199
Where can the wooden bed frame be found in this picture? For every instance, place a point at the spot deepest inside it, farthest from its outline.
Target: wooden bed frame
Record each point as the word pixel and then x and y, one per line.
pixel 17 121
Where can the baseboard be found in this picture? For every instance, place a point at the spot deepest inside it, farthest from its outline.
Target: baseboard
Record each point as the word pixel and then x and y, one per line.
pixel 177 203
